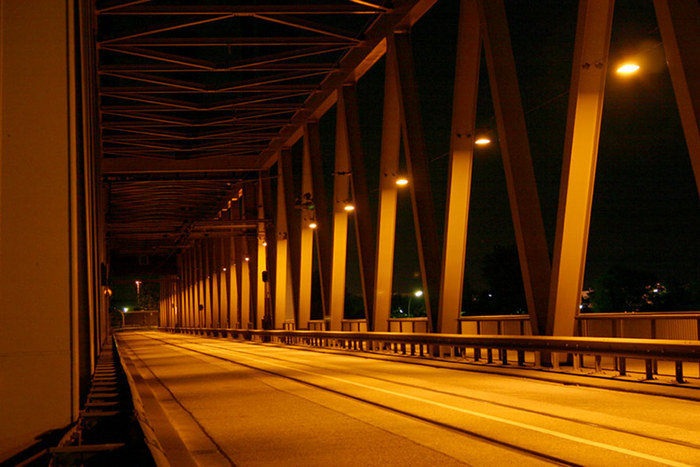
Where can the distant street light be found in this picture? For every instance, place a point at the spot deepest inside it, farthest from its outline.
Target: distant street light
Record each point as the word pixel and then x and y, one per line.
pixel 482 141
pixel 417 293
pixel 402 181
pixel 628 68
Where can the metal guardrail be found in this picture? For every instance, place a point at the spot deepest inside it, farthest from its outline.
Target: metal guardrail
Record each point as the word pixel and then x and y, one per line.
pixel 483 348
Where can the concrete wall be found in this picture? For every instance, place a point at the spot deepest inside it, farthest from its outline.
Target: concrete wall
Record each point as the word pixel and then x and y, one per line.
pixel 38 375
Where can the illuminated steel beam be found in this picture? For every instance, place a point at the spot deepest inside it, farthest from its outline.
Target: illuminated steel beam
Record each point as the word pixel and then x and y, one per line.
pixel 364 222
pixel 283 300
pixel 231 41
pixel 286 173
pixel 148 28
pixel 306 255
pixel 226 281
pixel 262 258
pixel 323 219
pixel 352 67
pixel 250 213
pixel 341 191
pixel 215 281
pixel 578 170
pixel 234 297
pixel 212 164
pixel 245 10
pixel 525 208
pixel 388 193
pixel 462 138
pixel 428 245
pixel 309 26
pixel 678 23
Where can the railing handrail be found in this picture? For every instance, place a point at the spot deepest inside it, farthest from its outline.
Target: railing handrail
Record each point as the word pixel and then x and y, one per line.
pixel 641 315
pixel 661 349
pixel 495 318
pixel 408 320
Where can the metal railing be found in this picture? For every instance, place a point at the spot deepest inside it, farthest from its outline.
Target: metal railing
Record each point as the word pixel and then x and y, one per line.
pixel 670 325
pixel 514 351
pixel 512 325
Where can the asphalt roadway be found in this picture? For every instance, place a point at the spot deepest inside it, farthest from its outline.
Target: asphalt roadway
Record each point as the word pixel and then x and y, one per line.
pixel 225 402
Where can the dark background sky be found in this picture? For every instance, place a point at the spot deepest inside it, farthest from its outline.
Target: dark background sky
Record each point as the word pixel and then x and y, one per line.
pixel 646 214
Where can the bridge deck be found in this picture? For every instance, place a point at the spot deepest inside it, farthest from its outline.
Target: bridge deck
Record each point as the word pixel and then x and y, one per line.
pixel 222 402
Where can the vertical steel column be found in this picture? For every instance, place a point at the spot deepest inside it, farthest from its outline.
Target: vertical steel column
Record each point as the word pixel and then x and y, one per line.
pixel 399 47
pixel 262 259
pixel 388 194
pixel 208 283
pixel 223 282
pixel 234 301
pixel 580 156
pixel 515 148
pixel 215 283
pixel 241 294
pixel 244 282
pixel 269 203
pixel 282 266
pixel 226 280
pixel 364 222
pixel 462 138
pixel 341 190
pixel 678 22
pixel 250 211
pixel 180 289
pixel 293 232
pixel 191 287
pixel 323 219
pixel 200 278
pixel 307 238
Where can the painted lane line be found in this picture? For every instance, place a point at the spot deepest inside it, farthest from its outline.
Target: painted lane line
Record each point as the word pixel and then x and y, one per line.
pixel 482 415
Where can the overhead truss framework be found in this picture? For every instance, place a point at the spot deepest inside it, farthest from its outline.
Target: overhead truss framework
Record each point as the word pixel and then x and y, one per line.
pixel 217 89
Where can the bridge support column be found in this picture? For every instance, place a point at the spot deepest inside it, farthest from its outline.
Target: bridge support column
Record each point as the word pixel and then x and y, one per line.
pixel 283 299
pixel 364 225
pixel 401 56
pixel 580 156
pixel 341 191
pixel 461 156
pixel 388 194
pixel 525 208
pixel 678 22
pixel 306 255
pixel 262 260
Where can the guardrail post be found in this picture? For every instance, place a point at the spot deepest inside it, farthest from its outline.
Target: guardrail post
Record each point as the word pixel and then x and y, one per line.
pixel 504 356
pixel 489 355
pixel 649 369
pixel 622 366
pixel 679 372
pixel 521 356
pixel 598 359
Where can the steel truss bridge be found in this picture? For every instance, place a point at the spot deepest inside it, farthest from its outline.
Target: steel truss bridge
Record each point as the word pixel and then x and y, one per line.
pixel 227 139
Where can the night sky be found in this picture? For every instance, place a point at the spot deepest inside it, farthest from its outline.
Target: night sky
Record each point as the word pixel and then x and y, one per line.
pixel 646 214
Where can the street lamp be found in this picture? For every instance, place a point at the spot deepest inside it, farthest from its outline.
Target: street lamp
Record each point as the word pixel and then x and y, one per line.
pixel 417 293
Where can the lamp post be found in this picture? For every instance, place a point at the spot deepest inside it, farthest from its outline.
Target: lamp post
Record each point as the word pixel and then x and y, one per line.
pixel 417 293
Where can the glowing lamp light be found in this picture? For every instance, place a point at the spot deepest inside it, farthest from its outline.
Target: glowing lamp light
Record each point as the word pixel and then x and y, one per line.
pixel 313 225
pixel 482 141
pixel 264 243
pixel 628 68
pixel 125 309
pixel 418 293
pixel 246 258
pixel 402 181
pixel 349 207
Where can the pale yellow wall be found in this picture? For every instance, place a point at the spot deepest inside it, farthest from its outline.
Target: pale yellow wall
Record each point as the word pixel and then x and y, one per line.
pixel 36 383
